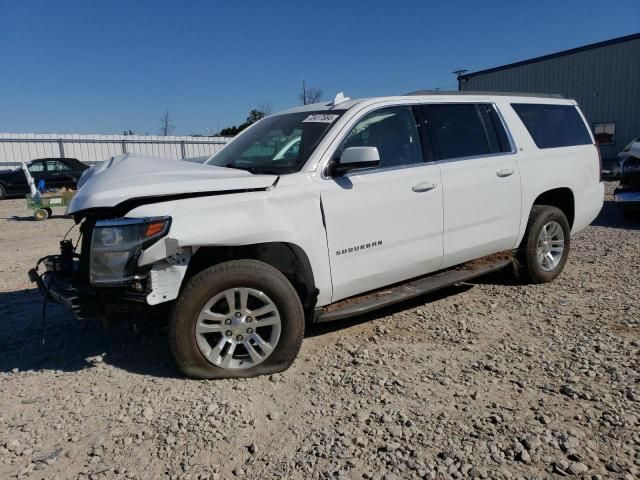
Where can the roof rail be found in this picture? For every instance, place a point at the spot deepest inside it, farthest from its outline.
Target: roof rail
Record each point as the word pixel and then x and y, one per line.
pixel 464 92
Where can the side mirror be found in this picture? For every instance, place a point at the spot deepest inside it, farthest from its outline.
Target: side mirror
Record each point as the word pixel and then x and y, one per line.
pixel 356 158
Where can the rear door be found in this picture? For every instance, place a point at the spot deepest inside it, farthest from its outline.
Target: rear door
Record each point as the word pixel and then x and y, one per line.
pixel 482 201
pixel 70 173
pixel 384 224
pixel 59 174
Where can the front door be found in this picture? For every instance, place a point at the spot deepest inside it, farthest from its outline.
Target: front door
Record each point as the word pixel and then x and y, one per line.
pixel 384 225
pixel 38 170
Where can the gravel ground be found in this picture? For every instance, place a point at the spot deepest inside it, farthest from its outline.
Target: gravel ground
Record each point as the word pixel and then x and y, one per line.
pixel 489 379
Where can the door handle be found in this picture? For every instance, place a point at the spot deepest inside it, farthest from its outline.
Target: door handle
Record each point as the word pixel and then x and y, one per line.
pixel 505 172
pixel 424 187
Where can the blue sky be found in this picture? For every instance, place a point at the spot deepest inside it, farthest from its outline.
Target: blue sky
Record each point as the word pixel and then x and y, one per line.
pixel 105 66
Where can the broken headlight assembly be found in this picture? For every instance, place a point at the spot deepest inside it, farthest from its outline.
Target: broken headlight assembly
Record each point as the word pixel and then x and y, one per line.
pixel 117 244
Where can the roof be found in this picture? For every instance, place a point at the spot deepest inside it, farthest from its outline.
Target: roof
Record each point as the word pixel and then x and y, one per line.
pixel 317 107
pixel 421 95
pixel 480 93
pixel 591 46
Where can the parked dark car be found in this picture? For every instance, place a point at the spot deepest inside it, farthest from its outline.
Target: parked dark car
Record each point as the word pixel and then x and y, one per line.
pixel 56 173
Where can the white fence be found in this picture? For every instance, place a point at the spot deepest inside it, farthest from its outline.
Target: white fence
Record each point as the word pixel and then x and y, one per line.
pixel 17 147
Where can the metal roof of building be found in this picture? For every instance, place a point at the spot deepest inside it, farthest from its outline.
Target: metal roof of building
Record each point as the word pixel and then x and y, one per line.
pixel 591 46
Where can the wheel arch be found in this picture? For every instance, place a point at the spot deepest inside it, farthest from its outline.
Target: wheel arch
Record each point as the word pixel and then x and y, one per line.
pixel 562 198
pixel 288 258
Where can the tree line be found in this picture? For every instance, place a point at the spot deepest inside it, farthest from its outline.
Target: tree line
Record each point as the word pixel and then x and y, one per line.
pixel 307 96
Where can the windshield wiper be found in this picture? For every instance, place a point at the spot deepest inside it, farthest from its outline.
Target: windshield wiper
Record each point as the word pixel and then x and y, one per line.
pixel 237 167
pixel 255 170
pixel 263 171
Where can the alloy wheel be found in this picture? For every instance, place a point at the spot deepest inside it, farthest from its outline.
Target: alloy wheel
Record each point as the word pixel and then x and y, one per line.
pixel 238 328
pixel 550 246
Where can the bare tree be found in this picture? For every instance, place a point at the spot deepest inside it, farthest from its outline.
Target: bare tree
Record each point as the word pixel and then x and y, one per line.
pixel 167 127
pixel 309 95
pixel 265 107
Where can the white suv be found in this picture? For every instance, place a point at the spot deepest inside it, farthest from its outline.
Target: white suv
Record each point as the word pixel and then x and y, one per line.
pixel 326 211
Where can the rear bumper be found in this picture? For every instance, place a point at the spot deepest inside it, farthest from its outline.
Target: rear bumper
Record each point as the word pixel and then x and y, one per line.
pixel 627 196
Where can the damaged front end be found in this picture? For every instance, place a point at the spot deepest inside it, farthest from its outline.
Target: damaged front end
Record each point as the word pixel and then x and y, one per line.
pixel 123 266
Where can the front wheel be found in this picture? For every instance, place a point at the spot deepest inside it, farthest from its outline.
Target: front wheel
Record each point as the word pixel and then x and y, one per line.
pixel 545 247
pixel 241 318
pixel 3 192
pixel 41 214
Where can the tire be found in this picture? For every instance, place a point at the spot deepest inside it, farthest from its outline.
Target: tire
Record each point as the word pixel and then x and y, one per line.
pixel 194 352
pixel 49 212
pixel 41 214
pixel 3 192
pixel 530 266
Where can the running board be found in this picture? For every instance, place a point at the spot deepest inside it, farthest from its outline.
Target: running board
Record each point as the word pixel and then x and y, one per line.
pixel 382 298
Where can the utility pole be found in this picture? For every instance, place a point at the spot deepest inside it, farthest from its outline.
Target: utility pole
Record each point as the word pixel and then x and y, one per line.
pixel 458 74
pixel 304 93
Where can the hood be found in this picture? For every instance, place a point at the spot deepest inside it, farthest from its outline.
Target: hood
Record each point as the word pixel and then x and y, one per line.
pixel 128 177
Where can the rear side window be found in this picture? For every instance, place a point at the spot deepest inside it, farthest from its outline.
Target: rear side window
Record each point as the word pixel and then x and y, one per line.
pixel 553 126
pixel 57 166
pixel 457 130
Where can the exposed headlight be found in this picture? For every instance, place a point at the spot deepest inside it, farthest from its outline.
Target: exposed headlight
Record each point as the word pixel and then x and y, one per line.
pixel 117 244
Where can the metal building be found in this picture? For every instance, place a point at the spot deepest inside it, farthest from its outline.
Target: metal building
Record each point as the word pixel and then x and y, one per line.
pixel 604 78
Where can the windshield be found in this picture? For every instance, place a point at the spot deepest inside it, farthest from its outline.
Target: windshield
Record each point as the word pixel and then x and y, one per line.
pixel 278 144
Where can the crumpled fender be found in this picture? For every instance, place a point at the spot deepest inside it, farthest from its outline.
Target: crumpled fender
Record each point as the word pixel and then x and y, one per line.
pixel 289 213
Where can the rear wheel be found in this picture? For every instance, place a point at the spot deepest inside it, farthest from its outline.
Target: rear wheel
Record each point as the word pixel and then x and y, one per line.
pixel 41 214
pixel 3 192
pixel 236 319
pixel 545 247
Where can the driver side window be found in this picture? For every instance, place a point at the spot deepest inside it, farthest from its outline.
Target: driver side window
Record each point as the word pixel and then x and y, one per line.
pixel 393 131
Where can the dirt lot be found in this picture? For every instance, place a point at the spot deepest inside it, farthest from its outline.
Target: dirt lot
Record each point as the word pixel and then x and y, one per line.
pixel 485 380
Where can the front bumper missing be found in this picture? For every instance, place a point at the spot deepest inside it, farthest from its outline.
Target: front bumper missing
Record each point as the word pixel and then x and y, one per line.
pixel 67 287
pixel 57 290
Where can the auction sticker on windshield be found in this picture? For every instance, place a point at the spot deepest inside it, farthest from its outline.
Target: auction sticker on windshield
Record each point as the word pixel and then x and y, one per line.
pixel 321 118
